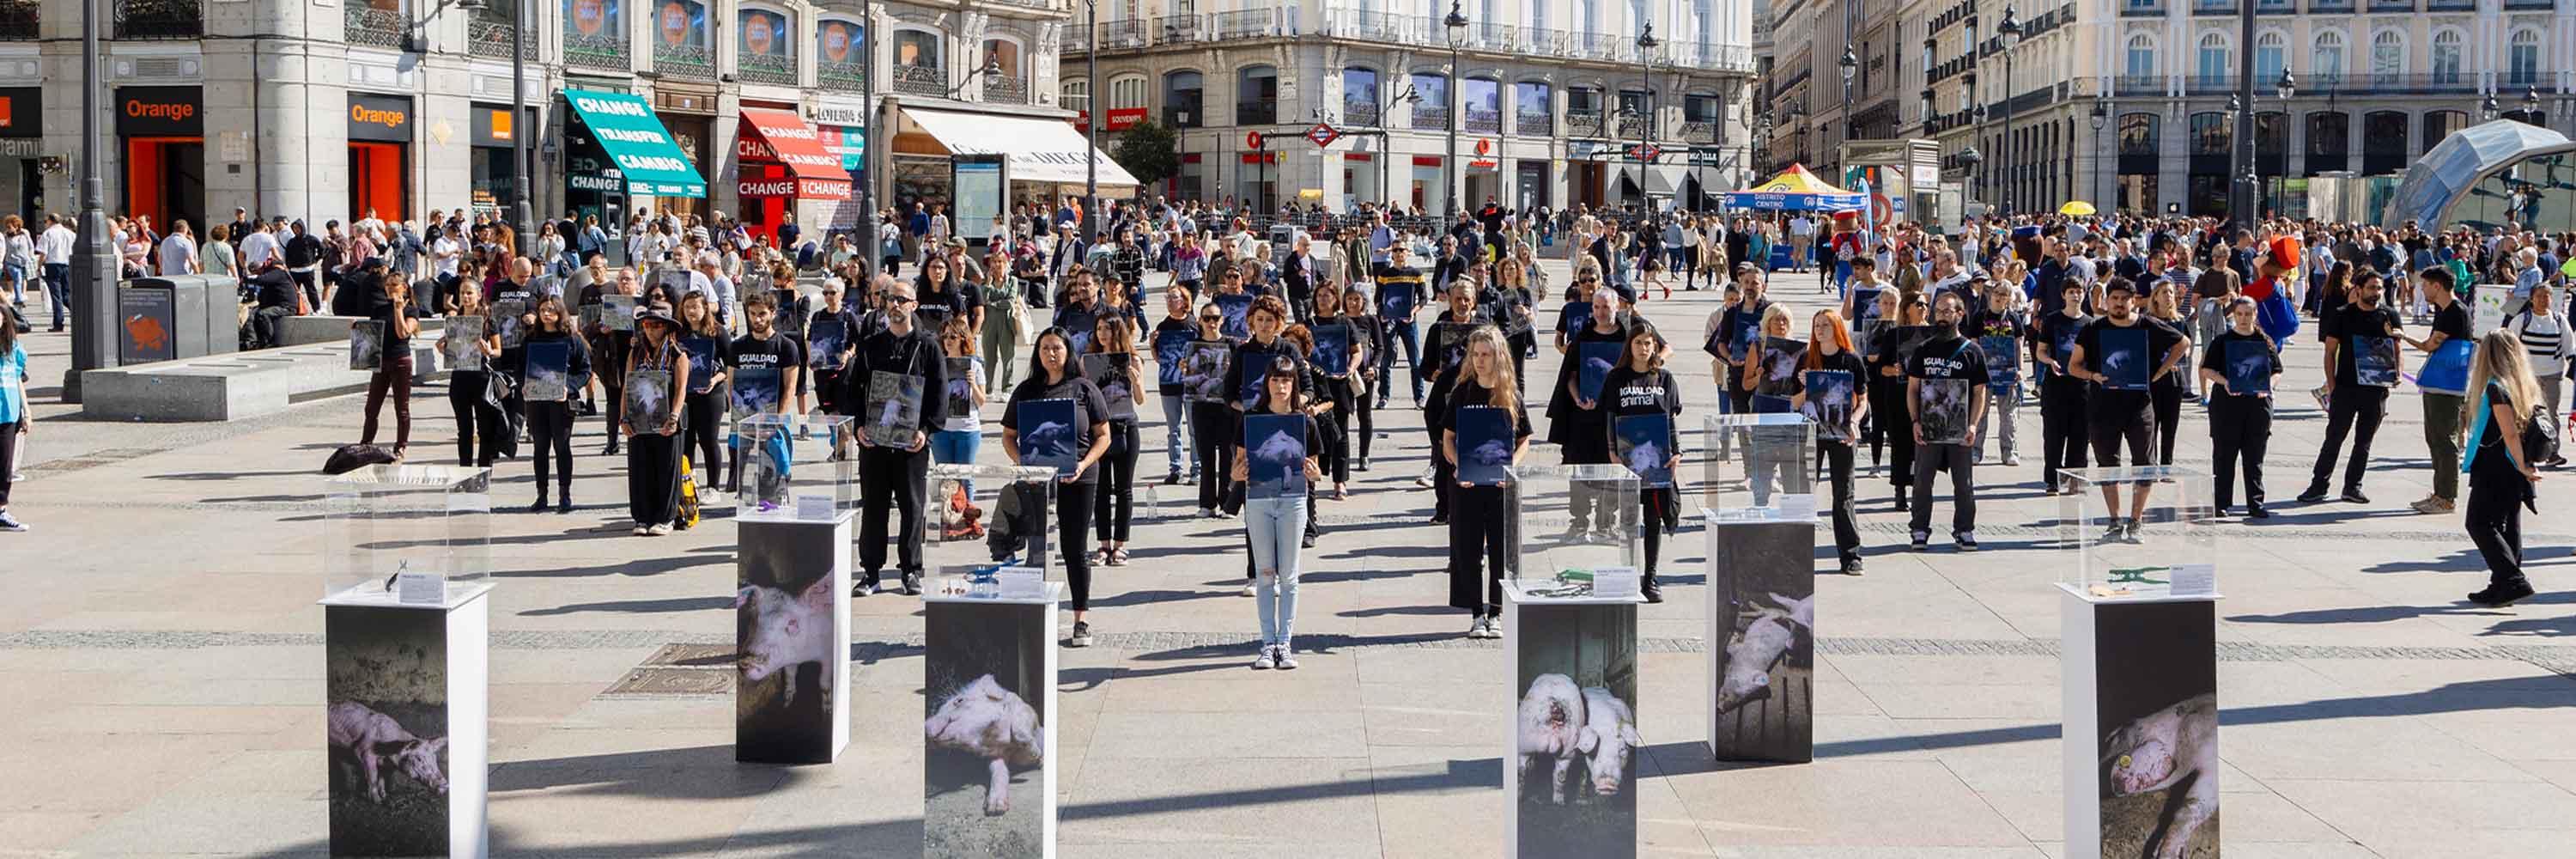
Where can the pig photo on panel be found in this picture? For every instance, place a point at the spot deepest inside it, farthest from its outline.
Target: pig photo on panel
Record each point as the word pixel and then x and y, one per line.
pixel 984 685
pixel 1577 730
pixel 783 620
pixel 2158 705
pixel 386 723
pixel 1765 589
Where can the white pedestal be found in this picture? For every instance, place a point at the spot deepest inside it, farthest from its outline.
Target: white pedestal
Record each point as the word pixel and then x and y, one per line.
pixel 1574 683
pixel 989 716
pixel 2141 723
pixel 792 602
pixel 1762 636
pixel 407 699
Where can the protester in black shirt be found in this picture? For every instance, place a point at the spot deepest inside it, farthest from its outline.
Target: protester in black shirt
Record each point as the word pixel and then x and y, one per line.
pixel 1579 425
pixel 1369 334
pixel 1888 397
pixel 2442 410
pixel 1736 328
pixel 1639 385
pixel 608 348
pixel 764 347
pixel 2061 393
pixel 1480 532
pixel 1055 374
pixel 1212 429
pixel 2113 414
pixel 393 367
pixel 899 475
pixel 1946 357
pixel 2240 422
pixel 2351 406
pixel 550 420
pixel 829 368
pixel 706 401
pixel 1830 348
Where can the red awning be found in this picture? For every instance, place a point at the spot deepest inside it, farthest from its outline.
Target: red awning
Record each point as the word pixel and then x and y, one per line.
pixel 776 135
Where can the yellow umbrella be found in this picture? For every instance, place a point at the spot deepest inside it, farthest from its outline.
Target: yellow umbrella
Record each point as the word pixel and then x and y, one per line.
pixel 2075 207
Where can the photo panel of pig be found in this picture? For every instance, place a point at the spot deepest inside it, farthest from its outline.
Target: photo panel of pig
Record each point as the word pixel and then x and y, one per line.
pixel 791 640
pixel 1762 621
pixel 404 723
pixel 2141 732
pixel 1571 778
pixel 988 685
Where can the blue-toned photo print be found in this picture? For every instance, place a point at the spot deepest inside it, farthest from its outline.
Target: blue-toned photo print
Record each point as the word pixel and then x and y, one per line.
pixel 756 390
pixel 2374 361
pixel 1274 450
pixel 1594 360
pixel 1248 377
pixel 1110 373
pixel 2446 371
pixel 961 386
pixel 1781 358
pixel 1079 327
pixel 1238 316
pixel 2003 362
pixel 2063 346
pixel 1047 435
pixel 1170 347
pixel 509 320
pixel 827 338
pixel 1829 402
pixel 1865 303
pixel 893 410
pixel 1740 337
pixel 1333 349
pixel 618 312
pixel 463 343
pixel 2124 358
pixel 1396 301
pixel 2249 367
pixel 702 362
pixel 1645 444
pixel 1449 341
pixel 1870 332
pixel 366 344
pixel 1576 316
pixel 1484 445
pixel 549 361
pixel 648 400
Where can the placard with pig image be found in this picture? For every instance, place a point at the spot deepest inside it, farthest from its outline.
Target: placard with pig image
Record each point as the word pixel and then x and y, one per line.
pixel 1943 413
pixel 1647 444
pixel 548 366
pixel 462 343
pixel 1575 730
pixel 1762 585
pixel 2156 702
pixel 366 344
pixel 386 683
pixel 1115 375
pixel 893 410
pixel 988 730
pixel 1203 371
pixel 792 646
pixel 509 320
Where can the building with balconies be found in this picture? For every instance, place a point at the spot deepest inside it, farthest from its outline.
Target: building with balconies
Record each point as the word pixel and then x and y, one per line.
pixel 1544 99
pixel 215 104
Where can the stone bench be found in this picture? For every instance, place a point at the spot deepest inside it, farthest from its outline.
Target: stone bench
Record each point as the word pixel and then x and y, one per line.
pixel 307 330
pixel 233 386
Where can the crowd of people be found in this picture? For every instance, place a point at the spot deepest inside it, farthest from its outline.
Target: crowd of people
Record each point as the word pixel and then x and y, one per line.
pixel 2115 329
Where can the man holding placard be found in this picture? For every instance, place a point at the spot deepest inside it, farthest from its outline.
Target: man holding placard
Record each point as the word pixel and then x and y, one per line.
pixel 896 473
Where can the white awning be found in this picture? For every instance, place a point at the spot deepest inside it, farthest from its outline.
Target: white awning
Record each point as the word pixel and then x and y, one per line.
pixel 1040 150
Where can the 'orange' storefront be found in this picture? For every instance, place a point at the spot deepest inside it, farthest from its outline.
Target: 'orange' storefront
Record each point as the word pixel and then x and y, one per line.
pixel 379 156
pixel 782 162
pixel 162 132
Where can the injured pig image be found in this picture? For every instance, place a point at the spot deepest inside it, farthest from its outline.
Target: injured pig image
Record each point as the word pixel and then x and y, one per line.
pixel 386 728
pixel 784 668
pixel 985 726
pixel 1573 765
pixel 1762 601
pixel 2158 706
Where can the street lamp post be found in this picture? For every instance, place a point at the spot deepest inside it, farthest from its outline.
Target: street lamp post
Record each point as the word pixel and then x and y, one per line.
pixel 2241 201
pixel 2245 178
pixel 522 215
pixel 93 285
pixel 2531 107
pixel 1968 161
pixel 1646 45
pixel 2287 88
pixel 1456 24
pixel 2101 120
pixel 1091 130
pixel 2010 33
pixel 1850 64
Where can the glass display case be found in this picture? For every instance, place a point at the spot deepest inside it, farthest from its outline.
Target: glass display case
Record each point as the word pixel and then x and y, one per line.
pixel 796 468
pixel 992 515
pixel 1570 521
pixel 1760 467
pixel 406 535
pixel 2138 532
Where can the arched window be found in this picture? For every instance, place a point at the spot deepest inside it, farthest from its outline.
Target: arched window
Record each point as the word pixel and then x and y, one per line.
pixel 1256 95
pixel 1360 96
pixel 1587 17
pixel 1481 99
pixel 766 45
pixel 2210 133
pixel 1075 95
pixel 837 57
pixel 1008 81
pixel 2522 58
pixel 2329 141
pixel 2138 134
pixel 2215 59
pixel 917 48
pixel 2383 142
pixel 2142 56
pixel 2271 51
pixel 2439 124
pixel 1432 110
pixel 2387 56
pixel 1181 93
pixel 2327 65
pixel 2446 57
pixel 1127 93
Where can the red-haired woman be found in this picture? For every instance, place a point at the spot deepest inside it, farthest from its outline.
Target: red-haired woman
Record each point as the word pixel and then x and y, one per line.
pixel 1837 424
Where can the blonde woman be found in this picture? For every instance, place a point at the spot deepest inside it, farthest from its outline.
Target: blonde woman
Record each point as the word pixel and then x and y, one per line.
pixel 1478 539
pixel 2502 476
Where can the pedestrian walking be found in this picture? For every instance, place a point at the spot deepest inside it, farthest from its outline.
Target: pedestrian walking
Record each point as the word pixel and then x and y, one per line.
pixel 16 421
pixel 2502 476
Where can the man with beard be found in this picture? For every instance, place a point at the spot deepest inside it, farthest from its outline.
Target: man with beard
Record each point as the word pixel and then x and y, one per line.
pixel 894 474
pixel 2116 414
pixel 1948 356
pixel 2351 407
pixel 764 347
pixel 1735 328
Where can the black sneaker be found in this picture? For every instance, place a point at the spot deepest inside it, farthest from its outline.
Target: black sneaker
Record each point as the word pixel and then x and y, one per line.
pixel 1081 635
pixel 1172 479
pixel 867 585
pixel 1851 566
pixel 1363 463
pixel 2257 512
pixel 2499 596
pixel 1904 502
pixel 2316 494
pixel 1922 540
pixel 1967 542
pixel 911 584
pixel 2352 495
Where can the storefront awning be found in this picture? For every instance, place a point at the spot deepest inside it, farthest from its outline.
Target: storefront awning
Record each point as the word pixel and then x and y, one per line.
pixel 1040 150
pixel 633 136
pixel 776 135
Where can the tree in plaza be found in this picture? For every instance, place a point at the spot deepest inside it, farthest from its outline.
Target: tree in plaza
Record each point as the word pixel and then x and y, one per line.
pixel 1150 151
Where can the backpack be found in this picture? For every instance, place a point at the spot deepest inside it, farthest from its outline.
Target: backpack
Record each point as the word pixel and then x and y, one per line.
pixel 688 495
pixel 351 457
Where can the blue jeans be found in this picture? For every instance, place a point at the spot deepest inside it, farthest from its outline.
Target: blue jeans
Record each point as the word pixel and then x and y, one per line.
pixel 58 289
pixel 17 277
pixel 1275 525
pixel 1176 439
pixel 956 447
pixel 1399 333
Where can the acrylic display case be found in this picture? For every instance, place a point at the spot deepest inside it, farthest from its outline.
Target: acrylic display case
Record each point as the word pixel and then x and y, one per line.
pixel 796 467
pixel 1571 521
pixel 407 535
pixel 2164 546
pixel 1759 467
pixel 991 514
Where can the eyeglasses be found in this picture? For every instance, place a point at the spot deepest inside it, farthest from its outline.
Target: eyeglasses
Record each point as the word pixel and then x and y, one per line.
pixel 902 299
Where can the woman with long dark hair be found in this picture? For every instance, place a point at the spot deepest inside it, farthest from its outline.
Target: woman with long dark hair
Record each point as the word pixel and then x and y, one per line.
pixel 1887 395
pixel 1639 385
pixel 1212 429
pixel 550 421
pixel 1114 505
pixel 1369 334
pixel 468 390
pixel 710 355
pixel 1271 525
pixel 1055 374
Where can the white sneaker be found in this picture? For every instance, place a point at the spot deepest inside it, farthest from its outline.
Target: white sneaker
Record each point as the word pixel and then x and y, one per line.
pixel 1264 661
pixel 1247 589
pixel 1287 659
pixel 1494 627
pixel 658 530
pixel 1476 627
pixel 643 531
pixel 11 523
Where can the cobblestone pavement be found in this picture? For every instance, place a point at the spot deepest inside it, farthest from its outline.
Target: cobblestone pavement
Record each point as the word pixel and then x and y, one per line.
pixel 163 652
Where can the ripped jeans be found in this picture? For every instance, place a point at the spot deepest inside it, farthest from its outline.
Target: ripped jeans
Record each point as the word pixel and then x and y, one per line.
pixel 1276 526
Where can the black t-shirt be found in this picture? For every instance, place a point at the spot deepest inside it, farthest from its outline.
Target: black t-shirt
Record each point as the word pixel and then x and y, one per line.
pixel 276 289
pixel 779 352
pixel 1090 411
pixel 1948 358
pixel 396 344
pixel 1627 393
pixel 2116 403
pixel 2453 321
pixel 2056 333
pixel 2350 321
pixel 1251 354
pixel 2214 358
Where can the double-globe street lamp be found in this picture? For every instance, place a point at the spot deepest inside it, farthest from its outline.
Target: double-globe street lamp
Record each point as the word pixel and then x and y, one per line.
pixel 1456 24
pixel 1646 45
pixel 2101 120
pixel 2008 34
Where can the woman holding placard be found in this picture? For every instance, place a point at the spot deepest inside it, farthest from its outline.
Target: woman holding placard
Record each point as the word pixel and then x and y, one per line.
pixel 1644 405
pixel 549 411
pixel 1486 433
pixel 2238 368
pixel 1057 417
pixel 1277 464
pixel 1831 395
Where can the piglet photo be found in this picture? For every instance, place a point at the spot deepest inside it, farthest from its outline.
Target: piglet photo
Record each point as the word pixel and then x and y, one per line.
pixel 787 631
pixel 380 746
pixel 1609 736
pixel 988 721
pixel 2160 750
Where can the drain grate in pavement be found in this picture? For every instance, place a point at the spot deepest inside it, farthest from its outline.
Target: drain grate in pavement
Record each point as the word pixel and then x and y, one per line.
pixel 680 669
pixel 92 459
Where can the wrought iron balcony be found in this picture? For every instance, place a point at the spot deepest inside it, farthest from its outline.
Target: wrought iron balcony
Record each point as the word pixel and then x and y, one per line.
pixel 1533 124
pixel 1172 29
pixel 684 61
pixel 1245 24
pixel 18 21
pixel 490 37
pixel 766 69
pixel 921 80
pixel 1586 123
pixel 606 51
pixel 1712 57
pixel 374 26
pixel 1632 125
pixel 160 19
pixel 1256 112
pixel 1434 116
pixel 841 77
pixel 1006 90
pixel 1360 113
pixel 1482 122
pixel 1384 27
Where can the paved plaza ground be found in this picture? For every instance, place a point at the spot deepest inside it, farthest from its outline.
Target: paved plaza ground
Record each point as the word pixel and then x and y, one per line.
pixel 164 662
